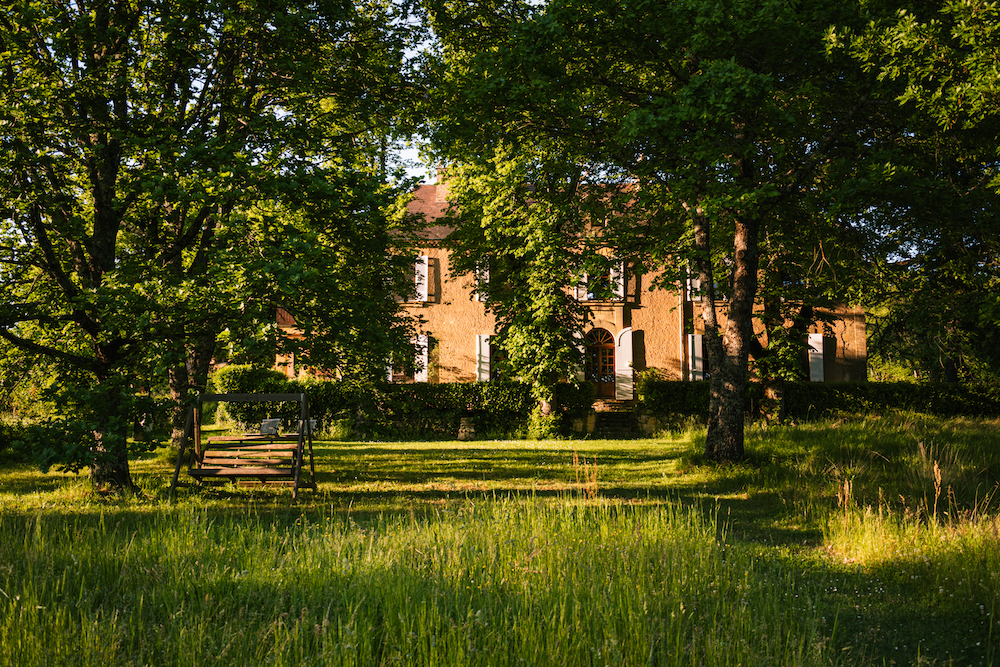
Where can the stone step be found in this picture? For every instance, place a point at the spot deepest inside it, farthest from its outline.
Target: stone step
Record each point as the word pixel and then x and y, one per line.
pixel 607 405
pixel 616 425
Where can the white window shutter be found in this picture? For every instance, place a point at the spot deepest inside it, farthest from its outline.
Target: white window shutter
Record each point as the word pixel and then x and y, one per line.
pixel 580 371
pixel 421 343
pixel 420 277
pixel 816 372
pixel 581 289
pixel 696 356
pixel 482 280
pixel 624 378
pixel 482 358
pixel 617 277
pixel 693 286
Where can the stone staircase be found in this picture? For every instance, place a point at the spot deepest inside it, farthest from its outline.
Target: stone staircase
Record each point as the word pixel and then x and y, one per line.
pixel 615 420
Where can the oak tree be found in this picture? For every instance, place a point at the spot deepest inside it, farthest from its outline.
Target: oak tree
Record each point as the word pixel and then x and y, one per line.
pixel 723 118
pixel 139 143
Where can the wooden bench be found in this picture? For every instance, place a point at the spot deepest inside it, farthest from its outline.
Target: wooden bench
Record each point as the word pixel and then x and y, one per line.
pixel 266 458
pixel 252 457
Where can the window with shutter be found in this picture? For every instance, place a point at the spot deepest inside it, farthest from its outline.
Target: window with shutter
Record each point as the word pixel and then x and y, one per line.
pixel 696 356
pixel 415 368
pixel 604 287
pixel 816 361
pixel 617 278
pixel 482 279
pixel 482 358
pixel 421 275
pixel 423 347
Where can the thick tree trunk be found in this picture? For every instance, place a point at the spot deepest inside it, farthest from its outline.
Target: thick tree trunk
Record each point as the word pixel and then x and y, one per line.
pixel 724 440
pixel 111 471
pixel 109 467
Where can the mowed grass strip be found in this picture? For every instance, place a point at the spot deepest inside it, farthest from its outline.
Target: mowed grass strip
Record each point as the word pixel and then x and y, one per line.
pixel 834 544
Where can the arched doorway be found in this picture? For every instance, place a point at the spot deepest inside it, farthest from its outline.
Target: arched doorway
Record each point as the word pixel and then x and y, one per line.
pixel 599 366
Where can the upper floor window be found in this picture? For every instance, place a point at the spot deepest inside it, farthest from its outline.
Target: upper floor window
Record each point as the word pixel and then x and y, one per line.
pixel 607 286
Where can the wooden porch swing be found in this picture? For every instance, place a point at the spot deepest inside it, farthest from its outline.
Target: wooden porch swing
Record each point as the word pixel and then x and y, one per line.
pixel 264 458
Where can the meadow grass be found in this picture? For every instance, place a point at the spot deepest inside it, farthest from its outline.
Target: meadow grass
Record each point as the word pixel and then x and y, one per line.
pixel 856 543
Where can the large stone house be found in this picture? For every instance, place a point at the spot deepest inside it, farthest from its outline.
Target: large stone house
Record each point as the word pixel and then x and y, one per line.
pixel 636 330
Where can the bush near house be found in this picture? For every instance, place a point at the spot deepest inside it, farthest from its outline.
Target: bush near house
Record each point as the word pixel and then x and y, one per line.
pixel 419 410
pixel 679 400
pixel 504 409
pixel 818 400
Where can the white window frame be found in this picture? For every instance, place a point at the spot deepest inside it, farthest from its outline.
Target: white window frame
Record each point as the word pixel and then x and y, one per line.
pixel 482 279
pixel 616 275
pixel 421 361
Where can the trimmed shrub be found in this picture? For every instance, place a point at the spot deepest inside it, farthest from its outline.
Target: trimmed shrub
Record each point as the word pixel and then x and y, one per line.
pixel 678 400
pixel 240 379
pixel 814 400
pixel 433 411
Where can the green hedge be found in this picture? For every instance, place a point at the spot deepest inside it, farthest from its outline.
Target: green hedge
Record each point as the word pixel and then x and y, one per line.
pixel 818 400
pixel 811 400
pixel 503 409
pixel 250 380
pixel 417 410
pixel 434 410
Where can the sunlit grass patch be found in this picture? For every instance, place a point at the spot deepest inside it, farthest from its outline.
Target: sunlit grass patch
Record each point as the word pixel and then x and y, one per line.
pixel 551 552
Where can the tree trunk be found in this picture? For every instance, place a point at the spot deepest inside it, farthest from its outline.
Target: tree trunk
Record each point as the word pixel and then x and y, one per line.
pixel 724 440
pixel 109 467
pixel 110 470
pixel 192 374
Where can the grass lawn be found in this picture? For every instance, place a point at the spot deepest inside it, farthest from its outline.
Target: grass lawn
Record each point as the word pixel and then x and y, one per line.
pixel 874 542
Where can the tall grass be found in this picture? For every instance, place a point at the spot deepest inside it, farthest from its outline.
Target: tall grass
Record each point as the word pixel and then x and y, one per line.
pixel 854 543
pixel 496 582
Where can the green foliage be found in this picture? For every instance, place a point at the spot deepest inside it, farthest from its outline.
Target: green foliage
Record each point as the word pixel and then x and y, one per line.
pixel 672 134
pixel 544 427
pixel 434 410
pixel 671 397
pixel 176 170
pixel 94 430
pixel 519 219
pixel 574 399
pixel 817 400
pixel 677 400
pixel 933 287
pixel 418 410
pixel 10 432
pixel 238 379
